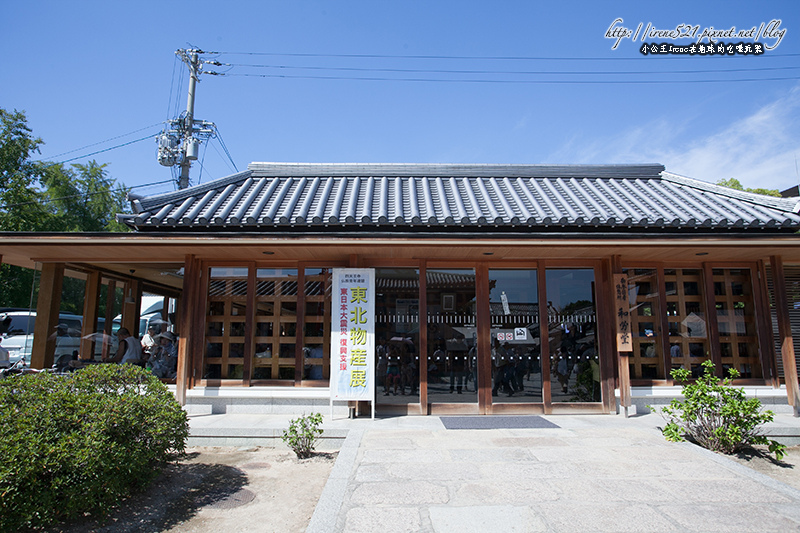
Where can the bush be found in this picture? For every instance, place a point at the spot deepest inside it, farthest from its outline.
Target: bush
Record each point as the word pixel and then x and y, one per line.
pixel 715 415
pixel 302 434
pixel 77 444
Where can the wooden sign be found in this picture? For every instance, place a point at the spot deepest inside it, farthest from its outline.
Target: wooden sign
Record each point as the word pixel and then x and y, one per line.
pixel 622 313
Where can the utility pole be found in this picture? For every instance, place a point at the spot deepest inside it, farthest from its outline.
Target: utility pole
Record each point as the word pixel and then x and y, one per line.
pixel 179 143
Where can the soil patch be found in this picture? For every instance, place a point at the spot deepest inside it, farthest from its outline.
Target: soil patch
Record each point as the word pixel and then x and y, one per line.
pixel 218 489
pixel 786 470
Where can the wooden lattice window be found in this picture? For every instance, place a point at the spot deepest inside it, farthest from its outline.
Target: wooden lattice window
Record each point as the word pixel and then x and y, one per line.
pixel 226 317
pixel 687 318
pixel 736 321
pixel 317 324
pixel 647 359
pixel 275 327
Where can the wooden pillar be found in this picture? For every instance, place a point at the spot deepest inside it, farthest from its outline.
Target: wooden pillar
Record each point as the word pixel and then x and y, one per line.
pixel 47 309
pixel 785 330
pixel 300 326
pixel 712 331
pixel 483 323
pixel 111 298
pixel 663 321
pixel 623 365
pixel 131 305
pixel 188 301
pixel 90 314
pixel 766 346
pixel 544 336
pixel 423 337
pixel 609 359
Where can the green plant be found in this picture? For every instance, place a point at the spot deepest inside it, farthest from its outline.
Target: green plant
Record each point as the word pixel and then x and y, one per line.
pixel 302 434
pixel 716 415
pixel 77 444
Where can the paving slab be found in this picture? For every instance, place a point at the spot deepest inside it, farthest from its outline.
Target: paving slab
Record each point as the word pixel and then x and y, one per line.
pixel 591 473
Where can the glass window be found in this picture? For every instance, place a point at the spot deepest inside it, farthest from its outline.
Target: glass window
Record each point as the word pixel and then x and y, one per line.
pixel 686 310
pixel 397 335
pixel 736 321
pixel 226 316
pixel 647 359
pixel 275 324
pixel 572 327
pixel 317 334
pixel 452 335
pixel 516 355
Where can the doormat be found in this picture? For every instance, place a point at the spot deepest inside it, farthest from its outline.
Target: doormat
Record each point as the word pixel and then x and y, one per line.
pixel 496 422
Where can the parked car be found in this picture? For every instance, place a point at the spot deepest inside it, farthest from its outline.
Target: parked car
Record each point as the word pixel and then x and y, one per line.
pixel 17 329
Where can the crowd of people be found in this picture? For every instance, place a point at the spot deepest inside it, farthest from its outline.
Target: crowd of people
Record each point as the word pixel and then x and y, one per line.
pixel 157 351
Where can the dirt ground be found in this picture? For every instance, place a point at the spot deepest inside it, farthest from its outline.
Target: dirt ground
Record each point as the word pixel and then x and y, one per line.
pixel 266 490
pixel 787 470
pixel 224 489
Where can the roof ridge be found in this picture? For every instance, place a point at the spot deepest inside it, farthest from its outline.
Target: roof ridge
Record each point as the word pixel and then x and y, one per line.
pixel 785 204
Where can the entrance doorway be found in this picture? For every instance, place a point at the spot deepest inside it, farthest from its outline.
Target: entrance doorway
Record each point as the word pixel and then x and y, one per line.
pixel 492 340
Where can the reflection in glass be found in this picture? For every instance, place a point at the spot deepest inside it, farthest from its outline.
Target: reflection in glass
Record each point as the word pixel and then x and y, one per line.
pixel 452 336
pixel 647 359
pixel 316 335
pixel 225 316
pixel 688 336
pixel 572 326
pixel 397 335
pixel 516 356
pixel 275 324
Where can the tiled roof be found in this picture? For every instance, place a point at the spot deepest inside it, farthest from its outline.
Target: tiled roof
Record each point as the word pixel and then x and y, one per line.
pixel 354 198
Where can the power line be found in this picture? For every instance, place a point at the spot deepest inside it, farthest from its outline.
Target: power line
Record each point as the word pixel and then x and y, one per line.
pixel 520 72
pixel 107 140
pixel 488 58
pixel 527 82
pixel 99 151
pixel 110 191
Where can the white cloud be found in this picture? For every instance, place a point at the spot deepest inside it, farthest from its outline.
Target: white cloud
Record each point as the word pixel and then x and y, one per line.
pixel 759 150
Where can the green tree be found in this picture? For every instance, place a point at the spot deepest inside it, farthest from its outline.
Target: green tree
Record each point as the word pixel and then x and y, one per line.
pixel 733 183
pixel 43 196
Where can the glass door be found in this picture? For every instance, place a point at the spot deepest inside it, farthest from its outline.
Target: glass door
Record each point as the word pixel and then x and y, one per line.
pixel 452 351
pixel 515 325
pixel 572 335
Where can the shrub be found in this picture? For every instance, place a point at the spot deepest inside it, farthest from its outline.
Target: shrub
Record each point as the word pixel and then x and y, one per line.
pixel 302 434
pixel 77 444
pixel 716 415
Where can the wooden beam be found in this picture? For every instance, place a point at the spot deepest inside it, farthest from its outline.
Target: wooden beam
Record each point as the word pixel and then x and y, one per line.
pixel 544 336
pixel 623 364
pixel 188 300
pixel 608 358
pixel 111 298
pixel 663 320
pixel 766 346
pixel 484 328
pixel 300 324
pixel 423 338
pixel 131 305
pixel 712 329
pixel 785 329
pixel 90 314
pixel 47 310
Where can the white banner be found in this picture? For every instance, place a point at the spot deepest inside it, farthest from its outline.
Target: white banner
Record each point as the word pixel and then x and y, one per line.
pixel 353 334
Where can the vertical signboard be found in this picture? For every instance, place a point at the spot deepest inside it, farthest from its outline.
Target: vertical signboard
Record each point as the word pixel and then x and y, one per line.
pixel 622 313
pixel 353 335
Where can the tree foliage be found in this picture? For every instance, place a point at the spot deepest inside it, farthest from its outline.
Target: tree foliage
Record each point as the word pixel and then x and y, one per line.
pixel 41 196
pixel 733 183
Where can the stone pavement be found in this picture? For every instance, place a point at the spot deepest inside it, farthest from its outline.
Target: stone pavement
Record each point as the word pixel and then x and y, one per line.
pixel 592 473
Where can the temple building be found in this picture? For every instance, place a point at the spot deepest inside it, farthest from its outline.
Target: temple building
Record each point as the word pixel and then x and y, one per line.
pixel 497 287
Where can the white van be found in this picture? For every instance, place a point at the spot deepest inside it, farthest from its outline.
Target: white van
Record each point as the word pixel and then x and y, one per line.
pixel 17 333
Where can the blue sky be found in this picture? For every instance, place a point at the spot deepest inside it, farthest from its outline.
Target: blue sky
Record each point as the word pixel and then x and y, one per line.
pixel 93 75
